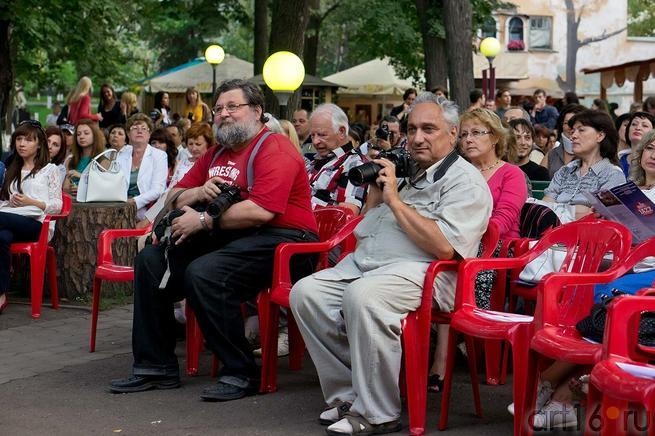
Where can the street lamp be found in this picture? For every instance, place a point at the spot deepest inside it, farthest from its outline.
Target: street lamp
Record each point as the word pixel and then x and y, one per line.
pixel 283 72
pixel 489 47
pixel 214 54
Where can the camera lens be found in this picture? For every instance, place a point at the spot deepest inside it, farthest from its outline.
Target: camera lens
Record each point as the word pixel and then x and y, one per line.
pixel 365 173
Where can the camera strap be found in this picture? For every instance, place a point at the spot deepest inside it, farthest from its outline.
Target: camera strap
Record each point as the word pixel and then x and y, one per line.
pixel 440 172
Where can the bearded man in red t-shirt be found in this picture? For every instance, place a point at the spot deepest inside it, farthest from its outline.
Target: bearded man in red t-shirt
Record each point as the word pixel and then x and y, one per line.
pixel 218 262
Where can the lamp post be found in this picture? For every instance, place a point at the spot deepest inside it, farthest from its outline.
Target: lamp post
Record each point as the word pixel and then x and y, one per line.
pixel 214 54
pixel 283 72
pixel 489 47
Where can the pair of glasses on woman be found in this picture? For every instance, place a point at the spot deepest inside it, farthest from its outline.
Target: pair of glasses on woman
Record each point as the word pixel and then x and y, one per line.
pixel 474 133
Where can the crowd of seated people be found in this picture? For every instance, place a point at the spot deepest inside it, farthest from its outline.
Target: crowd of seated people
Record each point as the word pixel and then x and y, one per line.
pixel 497 153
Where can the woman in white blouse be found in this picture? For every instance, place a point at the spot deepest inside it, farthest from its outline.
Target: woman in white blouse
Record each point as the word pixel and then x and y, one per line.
pixel 145 167
pixel 31 190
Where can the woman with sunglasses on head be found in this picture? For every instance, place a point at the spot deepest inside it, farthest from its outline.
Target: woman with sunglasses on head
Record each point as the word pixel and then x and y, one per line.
pixel 88 142
pixel 31 190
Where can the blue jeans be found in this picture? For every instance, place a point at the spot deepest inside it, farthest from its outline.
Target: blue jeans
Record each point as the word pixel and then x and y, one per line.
pixel 14 228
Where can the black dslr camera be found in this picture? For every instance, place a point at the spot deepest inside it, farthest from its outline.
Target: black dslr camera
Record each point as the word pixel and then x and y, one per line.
pixel 368 172
pixel 229 195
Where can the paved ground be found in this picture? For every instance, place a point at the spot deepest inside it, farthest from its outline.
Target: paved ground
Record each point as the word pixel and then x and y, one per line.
pixel 51 385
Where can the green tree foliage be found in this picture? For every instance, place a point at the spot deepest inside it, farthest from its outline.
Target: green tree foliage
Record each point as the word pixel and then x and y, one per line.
pixel 179 30
pixel 641 18
pixel 361 30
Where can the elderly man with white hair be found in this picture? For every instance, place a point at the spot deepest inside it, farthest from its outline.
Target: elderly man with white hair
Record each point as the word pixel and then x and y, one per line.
pixel 335 156
pixel 350 315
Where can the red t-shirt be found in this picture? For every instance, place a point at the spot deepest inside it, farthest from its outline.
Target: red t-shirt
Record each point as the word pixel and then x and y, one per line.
pixel 280 183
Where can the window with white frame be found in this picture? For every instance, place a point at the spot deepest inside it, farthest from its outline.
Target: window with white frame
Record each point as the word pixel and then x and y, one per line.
pixel 541 32
pixel 515 29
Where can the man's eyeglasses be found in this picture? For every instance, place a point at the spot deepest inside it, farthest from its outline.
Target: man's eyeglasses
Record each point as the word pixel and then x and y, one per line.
pixel 474 133
pixel 230 108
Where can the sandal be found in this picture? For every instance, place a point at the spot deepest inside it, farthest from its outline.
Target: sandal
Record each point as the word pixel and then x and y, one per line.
pixel 435 383
pixel 360 426
pixel 332 414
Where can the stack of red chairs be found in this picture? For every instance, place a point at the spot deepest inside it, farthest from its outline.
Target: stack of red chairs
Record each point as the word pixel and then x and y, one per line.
pixel 586 245
pixel 41 253
pixel 624 376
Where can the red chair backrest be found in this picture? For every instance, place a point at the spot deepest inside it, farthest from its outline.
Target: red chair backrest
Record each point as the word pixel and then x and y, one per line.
pixel 622 328
pixel 66 206
pixel 330 220
pixel 489 240
pixel 586 243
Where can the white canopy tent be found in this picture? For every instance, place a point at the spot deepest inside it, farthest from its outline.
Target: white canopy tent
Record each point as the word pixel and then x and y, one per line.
pixel 198 73
pixel 376 77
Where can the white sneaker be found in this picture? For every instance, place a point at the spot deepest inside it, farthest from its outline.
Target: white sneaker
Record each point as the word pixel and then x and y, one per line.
pixel 282 345
pixel 555 415
pixel 544 392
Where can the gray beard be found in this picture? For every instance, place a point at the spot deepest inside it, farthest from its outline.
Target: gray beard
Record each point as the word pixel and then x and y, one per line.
pixel 229 135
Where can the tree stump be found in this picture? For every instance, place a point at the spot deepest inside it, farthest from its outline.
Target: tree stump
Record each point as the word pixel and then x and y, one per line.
pixel 76 245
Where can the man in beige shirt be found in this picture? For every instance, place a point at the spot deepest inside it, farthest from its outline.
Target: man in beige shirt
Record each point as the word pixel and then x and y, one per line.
pixel 350 315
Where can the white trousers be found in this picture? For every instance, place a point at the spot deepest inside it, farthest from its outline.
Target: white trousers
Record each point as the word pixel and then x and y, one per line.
pixel 352 331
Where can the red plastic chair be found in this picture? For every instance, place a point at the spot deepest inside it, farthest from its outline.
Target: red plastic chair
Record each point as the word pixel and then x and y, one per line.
pixel 38 253
pixel 564 300
pixel 335 227
pixel 107 270
pixel 613 389
pixel 416 338
pixel 590 241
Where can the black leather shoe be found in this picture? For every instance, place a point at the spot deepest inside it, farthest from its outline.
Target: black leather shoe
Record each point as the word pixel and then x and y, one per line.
pixel 139 383
pixel 230 388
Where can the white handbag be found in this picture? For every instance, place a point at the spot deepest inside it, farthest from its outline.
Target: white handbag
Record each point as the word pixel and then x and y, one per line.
pixel 99 184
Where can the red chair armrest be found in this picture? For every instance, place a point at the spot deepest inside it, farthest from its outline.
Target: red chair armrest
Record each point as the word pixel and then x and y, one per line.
pixel 107 237
pixel 284 252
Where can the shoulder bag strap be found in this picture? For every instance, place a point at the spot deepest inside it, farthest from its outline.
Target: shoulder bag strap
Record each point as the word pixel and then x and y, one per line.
pixel 251 159
pixel 164 210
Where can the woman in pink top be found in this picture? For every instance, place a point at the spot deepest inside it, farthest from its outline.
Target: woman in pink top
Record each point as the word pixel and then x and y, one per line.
pixel 79 102
pixel 483 141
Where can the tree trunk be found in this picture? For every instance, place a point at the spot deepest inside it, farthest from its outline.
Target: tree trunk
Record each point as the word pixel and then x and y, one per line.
pixel 311 41
pixel 458 19
pixel 261 35
pixel 572 45
pixel 289 19
pixel 6 76
pixel 76 245
pixel 434 47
